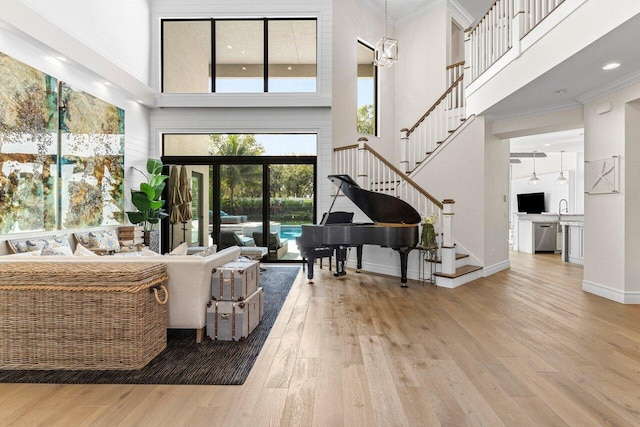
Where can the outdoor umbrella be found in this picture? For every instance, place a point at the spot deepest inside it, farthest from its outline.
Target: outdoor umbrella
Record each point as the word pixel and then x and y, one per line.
pixel 186 198
pixel 174 196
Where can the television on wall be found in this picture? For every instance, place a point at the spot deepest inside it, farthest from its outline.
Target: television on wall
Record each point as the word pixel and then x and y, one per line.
pixel 532 203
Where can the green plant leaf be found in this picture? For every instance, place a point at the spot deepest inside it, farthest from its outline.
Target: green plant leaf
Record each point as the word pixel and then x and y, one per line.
pixel 135 217
pixel 157 180
pixel 154 166
pixel 140 200
pixel 148 190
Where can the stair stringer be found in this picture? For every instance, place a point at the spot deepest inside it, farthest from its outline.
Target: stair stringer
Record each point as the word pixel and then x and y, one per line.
pixel 457 170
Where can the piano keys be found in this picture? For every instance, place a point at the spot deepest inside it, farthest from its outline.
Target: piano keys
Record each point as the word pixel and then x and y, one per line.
pixel 395 225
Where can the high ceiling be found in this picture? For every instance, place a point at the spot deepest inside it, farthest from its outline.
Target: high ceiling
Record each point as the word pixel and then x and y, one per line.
pixel 400 9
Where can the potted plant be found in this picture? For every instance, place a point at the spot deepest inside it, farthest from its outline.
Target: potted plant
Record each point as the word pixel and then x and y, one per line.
pixel 148 199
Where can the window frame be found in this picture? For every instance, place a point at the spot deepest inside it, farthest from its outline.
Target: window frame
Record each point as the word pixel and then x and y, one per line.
pixel 213 48
pixel 376 91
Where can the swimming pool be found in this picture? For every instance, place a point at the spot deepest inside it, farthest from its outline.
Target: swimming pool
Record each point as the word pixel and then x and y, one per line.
pixel 290 231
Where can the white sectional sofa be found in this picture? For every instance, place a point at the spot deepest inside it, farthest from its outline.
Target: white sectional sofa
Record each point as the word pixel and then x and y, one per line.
pixel 189 283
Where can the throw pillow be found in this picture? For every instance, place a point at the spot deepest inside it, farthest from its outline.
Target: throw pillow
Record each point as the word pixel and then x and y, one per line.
pixel 59 251
pixel 105 239
pixel 209 251
pixel 83 251
pixel 37 243
pixel 180 249
pixel 148 252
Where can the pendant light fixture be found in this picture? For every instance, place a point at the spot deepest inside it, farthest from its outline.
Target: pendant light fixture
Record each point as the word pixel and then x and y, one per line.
pixel 386 50
pixel 561 179
pixel 534 179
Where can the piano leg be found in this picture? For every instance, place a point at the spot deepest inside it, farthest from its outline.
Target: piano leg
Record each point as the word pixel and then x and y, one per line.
pixel 341 260
pixel 310 261
pixel 404 255
pixel 359 256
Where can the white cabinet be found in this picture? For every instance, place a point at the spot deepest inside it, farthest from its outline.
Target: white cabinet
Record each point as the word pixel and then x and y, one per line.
pixel 574 244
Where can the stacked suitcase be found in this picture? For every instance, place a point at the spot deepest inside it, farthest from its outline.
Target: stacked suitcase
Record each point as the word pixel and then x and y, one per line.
pixel 236 301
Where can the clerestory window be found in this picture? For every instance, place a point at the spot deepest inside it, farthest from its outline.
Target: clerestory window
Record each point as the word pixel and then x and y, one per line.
pixel 239 55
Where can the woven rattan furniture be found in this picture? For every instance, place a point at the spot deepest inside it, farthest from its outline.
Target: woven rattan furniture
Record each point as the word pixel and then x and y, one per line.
pixel 81 315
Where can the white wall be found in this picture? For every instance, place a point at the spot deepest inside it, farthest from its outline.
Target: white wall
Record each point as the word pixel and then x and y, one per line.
pixel 36 55
pixel 610 219
pixel 354 21
pixel 421 68
pixel 116 29
pixel 496 203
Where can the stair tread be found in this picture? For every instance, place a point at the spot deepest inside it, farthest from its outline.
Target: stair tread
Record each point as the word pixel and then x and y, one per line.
pixel 439 261
pixel 460 271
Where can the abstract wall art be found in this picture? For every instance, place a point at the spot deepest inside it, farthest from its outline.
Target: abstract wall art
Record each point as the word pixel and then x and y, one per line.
pixel 61 154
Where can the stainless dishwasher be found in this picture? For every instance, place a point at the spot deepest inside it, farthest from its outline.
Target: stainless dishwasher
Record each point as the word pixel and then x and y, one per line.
pixel 544 234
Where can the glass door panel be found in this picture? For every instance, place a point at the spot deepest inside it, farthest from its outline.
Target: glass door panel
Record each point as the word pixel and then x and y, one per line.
pixel 240 204
pixel 290 206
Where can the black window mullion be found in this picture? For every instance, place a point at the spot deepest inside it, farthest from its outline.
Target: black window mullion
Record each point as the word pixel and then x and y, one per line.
pixel 266 55
pixel 213 55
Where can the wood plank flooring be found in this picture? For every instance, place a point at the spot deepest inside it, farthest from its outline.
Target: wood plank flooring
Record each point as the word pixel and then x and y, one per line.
pixel 524 347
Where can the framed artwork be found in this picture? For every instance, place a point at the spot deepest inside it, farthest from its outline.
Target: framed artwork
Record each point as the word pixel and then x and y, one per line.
pixel 61 154
pixel 602 176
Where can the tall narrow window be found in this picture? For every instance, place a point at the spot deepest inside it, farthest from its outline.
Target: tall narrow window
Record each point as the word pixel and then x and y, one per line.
pixel 186 56
pixel 366 113
pixel 292 55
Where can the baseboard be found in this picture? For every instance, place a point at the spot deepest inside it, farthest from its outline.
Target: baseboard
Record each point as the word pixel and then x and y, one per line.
pixel 610 293
pixel 493 269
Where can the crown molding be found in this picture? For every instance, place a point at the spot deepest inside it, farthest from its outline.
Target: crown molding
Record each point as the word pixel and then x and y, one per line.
pixel 378 11
pixel 430 6
pixel 610 88
pixel 460 14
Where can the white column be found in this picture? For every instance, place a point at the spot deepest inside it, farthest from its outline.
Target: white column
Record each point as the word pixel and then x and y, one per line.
pixel 448 247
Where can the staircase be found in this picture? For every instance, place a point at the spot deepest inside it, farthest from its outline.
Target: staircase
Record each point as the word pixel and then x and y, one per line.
pixel 375 173
pixel 436 126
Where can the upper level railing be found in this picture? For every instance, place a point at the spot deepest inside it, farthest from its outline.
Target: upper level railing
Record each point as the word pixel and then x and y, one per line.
pixel 495 33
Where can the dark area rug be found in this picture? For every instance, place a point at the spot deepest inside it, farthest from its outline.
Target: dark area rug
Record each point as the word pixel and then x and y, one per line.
pixel 184 361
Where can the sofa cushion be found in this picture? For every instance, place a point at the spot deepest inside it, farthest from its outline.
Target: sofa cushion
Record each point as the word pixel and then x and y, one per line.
pixel 56 251
pixel 37 243
pixel 83 251
pixel 208 251
pixel 99 239
pixel 181 249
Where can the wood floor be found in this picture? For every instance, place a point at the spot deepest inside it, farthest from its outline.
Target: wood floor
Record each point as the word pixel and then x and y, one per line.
pixel 523 347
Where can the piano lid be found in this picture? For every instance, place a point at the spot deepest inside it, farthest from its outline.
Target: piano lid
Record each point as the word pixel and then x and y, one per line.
pixel 377 206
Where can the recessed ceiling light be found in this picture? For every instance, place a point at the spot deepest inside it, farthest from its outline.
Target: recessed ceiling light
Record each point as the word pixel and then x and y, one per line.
pixel 611 66
pixel 229 46
pixel 245 52
pixel 288 68
pixel 547 145
pixel 61 58
pixel 106 83
pixel 140 101
pixel 244 68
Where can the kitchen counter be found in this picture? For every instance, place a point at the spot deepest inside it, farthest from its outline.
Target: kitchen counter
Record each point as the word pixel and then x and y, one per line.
pixel 525 225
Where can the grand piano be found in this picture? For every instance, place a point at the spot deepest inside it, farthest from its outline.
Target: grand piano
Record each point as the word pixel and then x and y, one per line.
pixel 395 225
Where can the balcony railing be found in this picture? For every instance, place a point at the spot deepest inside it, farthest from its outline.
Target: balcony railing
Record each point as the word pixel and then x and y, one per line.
pixel 494 34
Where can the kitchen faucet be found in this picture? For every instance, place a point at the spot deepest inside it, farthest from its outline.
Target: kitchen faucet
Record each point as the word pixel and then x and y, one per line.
pixel 566 206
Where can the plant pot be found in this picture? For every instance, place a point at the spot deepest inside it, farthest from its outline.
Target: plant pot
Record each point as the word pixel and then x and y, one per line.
pixel 152 240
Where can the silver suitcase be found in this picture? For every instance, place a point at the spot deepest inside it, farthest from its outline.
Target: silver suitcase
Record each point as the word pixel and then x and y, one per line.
pixel 235 280
pixel 234 320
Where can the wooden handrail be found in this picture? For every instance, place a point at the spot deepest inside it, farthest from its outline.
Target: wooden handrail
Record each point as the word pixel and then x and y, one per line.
pixel 420 190
pixel 346 147
pixel 433 107
pixel 455 65
pixel 473 27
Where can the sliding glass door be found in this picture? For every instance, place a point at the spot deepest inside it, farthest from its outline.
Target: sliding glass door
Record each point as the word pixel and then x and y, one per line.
pixel 246 191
